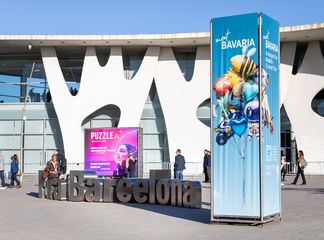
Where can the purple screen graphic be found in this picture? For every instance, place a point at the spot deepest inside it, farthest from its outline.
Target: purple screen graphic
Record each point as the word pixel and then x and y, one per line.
pixel 108 151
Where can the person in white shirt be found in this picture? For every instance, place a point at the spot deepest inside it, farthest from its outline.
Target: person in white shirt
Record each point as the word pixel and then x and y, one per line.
pixel 3 184
pixel 283 166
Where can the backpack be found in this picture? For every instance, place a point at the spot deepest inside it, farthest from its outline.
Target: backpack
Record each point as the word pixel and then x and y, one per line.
pixel 45 174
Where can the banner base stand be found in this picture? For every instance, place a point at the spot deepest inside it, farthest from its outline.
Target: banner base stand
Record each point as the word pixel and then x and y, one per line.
pixel 246 221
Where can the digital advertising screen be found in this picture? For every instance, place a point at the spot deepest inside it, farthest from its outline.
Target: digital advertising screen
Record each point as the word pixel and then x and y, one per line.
pixel 112 151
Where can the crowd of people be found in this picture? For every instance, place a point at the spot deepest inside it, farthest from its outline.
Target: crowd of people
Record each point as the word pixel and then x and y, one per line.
pixel 74 91
pixel 179 166
pixel 57 166
pixel 300 163
pixel 46 96
pixel 36 97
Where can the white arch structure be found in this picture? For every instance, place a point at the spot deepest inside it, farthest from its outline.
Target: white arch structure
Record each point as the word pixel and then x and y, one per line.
pixel 179 98
pixel 298 92
pixel 107 85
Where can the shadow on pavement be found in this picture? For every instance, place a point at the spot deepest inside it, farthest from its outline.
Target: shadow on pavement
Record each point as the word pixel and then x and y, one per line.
pixel 314 190
pixel 33 194
pixel 197 215
pixel 205 203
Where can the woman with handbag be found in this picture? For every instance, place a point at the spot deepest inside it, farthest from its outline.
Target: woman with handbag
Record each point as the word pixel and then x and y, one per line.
pixel 53 170
pixel 14 169
pixel 52 167
pixel 301 164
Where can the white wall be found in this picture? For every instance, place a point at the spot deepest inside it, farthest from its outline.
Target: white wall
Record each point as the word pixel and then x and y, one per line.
pixel 101 86
pixel 299 90
pixel 180 100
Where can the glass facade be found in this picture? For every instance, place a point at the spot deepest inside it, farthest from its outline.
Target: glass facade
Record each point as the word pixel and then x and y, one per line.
pixel 32 133
pixel 155 141
pixel 288 141
pixel 107 116
pixel 203 112
pixel 132 59
pixel 28 123
pixel 318 103
pixel 71 62
pixel 186 59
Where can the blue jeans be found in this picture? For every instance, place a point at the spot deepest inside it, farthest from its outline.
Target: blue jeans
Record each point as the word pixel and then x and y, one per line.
pixel 2 178
pixel 14 178
pixel 179 174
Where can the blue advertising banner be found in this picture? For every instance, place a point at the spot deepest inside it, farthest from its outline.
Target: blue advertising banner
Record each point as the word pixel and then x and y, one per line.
pixel 270 100
pixel 238 177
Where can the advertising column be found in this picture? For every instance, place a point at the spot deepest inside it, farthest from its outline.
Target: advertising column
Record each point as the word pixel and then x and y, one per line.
pixel 238 175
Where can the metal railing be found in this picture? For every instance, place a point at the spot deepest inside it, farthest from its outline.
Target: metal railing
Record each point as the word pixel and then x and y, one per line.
pixel 313 168
pixel 291 168
pixel 75 166
pixel 147 166
pixel 192 168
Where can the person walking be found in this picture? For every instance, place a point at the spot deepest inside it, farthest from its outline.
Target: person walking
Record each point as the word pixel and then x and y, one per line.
pixel 2 168
pixel 205 164
pixel 283 166
pixel 179 164
pixel 14 168
pixel 301 164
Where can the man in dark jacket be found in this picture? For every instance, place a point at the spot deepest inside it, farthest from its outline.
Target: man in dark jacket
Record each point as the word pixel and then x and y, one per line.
pixel 205 165
pixel 209 165
pixel 179 164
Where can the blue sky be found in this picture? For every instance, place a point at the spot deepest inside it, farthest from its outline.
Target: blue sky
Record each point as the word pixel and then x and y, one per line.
pixel 138 16
pixel 142 16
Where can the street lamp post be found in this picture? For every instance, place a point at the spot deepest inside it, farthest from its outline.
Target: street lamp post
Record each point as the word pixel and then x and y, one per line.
pixel 23 124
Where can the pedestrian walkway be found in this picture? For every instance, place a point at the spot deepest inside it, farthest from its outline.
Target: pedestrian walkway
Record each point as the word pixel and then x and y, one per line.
pixel 24 216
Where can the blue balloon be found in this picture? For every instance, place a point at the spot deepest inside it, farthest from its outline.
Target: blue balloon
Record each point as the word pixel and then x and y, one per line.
pixel 239 125
pixel 250 91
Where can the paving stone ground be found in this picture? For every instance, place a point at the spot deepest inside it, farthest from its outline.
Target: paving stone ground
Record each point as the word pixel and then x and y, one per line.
pixel 24 217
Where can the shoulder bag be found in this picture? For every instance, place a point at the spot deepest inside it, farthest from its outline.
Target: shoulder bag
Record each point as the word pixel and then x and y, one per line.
pixel 303 164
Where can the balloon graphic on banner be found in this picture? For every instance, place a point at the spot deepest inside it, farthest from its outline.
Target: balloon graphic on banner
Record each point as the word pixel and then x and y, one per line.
pixel 245 62
pixel 250 91
pixel 222 86
pixel 237 98
pixel 239 125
